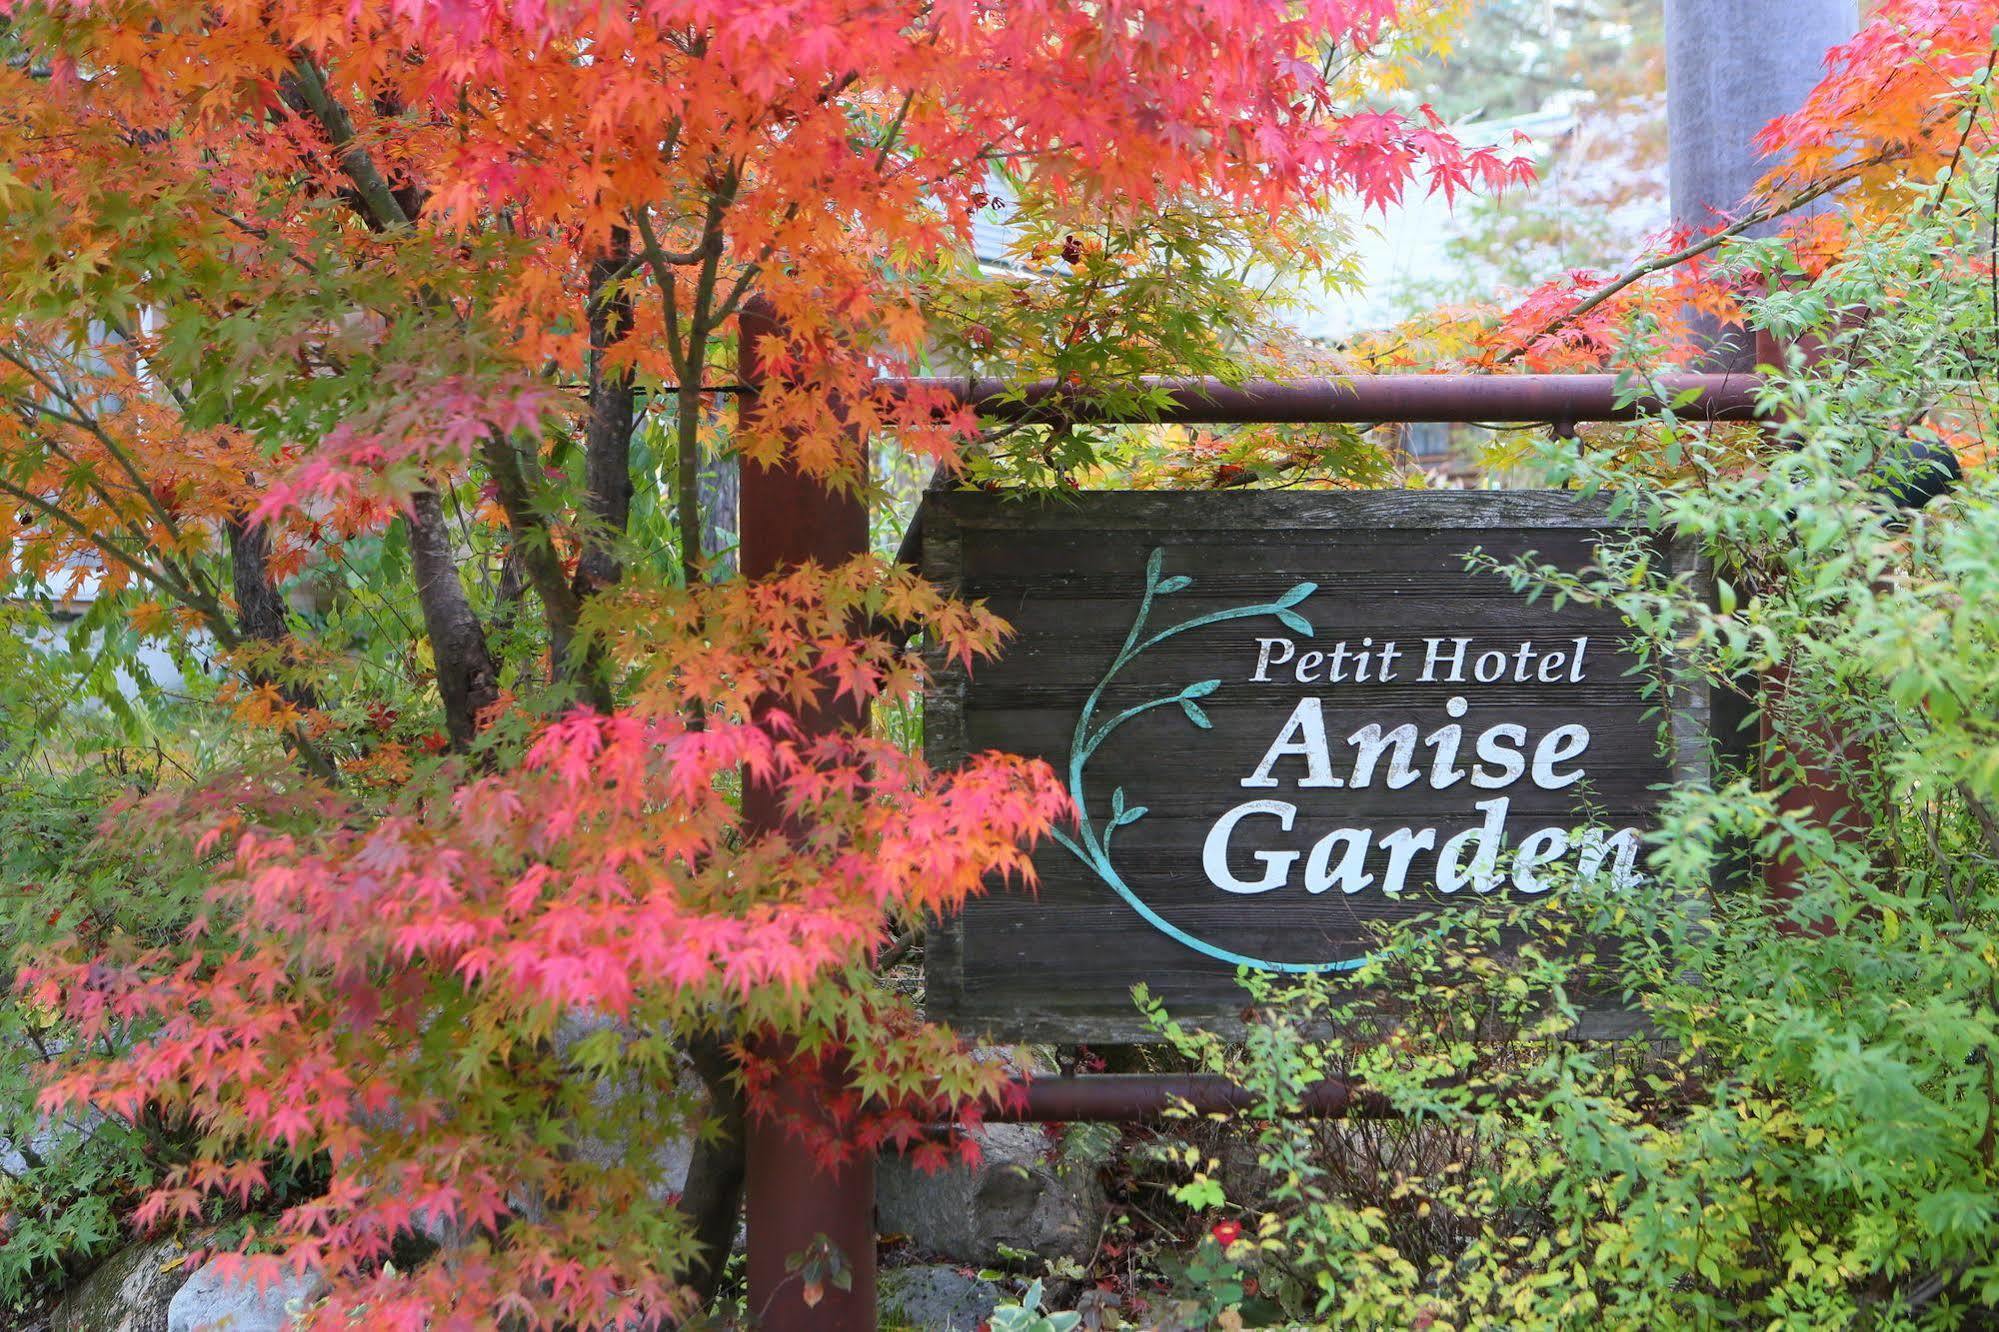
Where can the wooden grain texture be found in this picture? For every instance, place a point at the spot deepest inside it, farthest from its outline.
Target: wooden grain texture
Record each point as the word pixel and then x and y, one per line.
pixel 1059 964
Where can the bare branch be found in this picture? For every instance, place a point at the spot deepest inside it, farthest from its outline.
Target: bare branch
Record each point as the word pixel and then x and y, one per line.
pixel 1660 263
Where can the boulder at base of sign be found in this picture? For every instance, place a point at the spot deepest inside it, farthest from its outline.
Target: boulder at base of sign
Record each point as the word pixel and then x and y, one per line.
pixel 128 1292
pixel 1018 1196
pixel 210 1302
pixel 936 1298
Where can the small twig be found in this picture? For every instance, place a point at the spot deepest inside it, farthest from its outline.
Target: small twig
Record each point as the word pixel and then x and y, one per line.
pixel 1640 272
pixel 898 948
pixel 1988 825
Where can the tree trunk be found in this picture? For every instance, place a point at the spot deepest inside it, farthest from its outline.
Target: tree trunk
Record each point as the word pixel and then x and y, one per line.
pixel 260 618
pixel 467 679
pixel 712 1200
pixel 607 435
pixel 260 610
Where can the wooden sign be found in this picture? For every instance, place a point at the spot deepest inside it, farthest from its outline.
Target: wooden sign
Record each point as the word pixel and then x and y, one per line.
pixel 1282 716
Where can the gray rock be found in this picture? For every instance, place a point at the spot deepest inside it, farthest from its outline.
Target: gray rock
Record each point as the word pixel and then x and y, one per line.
pixel 210 1302
pixel 128 1292
pixel 48 1139
pixel 1017 1197
pixel 44 1142
pixel 665 1136
pixel 937 1298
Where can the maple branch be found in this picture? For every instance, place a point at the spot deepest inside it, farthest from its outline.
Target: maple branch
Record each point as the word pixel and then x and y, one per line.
pixel 660 257
pixel 28 410
pixel 691 363
pixel 663 262
pixel 467 677
pixel 607 466
pixel 382 206
pixel 893 133
pixel 529 532
pixel 260 608
pixel 1640 272
pixel 184 579
pixel 157 574
pixel 78 418
pixel 711 1198
pixel 200 600
pixel 1964 137
pixel 607 448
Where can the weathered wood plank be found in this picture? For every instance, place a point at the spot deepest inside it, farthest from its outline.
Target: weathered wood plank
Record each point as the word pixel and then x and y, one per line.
pixel 1455 656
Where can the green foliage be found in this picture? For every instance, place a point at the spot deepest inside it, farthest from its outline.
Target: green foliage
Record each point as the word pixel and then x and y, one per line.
pixel 64 1182
pixel 1028 1315
pixel 1803 1129
pixel 1106 305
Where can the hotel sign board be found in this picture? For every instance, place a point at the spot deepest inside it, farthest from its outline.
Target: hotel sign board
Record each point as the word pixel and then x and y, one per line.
pixel 1283 717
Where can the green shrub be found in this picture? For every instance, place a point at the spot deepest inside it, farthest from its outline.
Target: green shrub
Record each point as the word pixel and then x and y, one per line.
pixel 1807 1136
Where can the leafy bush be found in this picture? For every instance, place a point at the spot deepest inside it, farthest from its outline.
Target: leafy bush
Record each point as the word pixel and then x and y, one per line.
pixel 1805 1134
pixel 1029 1316
pixel 64 1180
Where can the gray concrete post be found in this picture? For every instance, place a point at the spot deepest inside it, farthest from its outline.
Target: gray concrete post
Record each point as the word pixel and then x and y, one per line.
pixel 1731 67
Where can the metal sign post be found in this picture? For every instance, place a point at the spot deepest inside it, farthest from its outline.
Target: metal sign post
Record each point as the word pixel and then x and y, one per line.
pixel 793 1204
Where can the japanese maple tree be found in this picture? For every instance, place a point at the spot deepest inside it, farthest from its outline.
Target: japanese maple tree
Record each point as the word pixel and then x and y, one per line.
pixel 357 347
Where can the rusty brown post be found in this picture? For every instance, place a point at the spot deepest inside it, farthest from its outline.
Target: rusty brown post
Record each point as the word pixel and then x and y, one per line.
pixel 794 1204
pixel 1822 793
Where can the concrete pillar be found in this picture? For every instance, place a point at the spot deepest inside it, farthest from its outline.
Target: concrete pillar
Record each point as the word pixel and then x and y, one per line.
pixel 1731 67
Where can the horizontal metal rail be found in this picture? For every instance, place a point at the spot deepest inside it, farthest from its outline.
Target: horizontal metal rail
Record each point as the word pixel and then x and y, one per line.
pixel 1134 1097
pixel 1365 399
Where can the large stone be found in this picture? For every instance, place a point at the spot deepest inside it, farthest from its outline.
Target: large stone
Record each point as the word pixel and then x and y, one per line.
pixel 936 1298
pixel 44 1141
pixel 667 1137
pixel 128 1292
pixel 1018 1197
pixel 211 1302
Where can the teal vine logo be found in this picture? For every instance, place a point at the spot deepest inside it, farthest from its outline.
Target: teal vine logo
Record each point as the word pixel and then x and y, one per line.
pixel 1093 847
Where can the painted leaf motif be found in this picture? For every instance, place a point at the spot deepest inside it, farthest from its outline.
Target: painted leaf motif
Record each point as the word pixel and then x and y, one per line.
pixel 1175 583
pixel 1195 714
pixel 1201 689
pixel 1295 622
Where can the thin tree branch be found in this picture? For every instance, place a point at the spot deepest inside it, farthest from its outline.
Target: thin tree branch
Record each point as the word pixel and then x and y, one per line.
pixel 1640 272
pixel 380 203
pixel 529 534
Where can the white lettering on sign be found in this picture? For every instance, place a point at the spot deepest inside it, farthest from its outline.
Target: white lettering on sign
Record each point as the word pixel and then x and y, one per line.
pixel 1501 749
pixel 1482 875
pixel 1489 754
pixel 1276 864
pixel 1445 661
pixel 1469 859
pixel 1304 734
